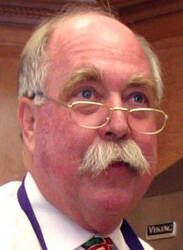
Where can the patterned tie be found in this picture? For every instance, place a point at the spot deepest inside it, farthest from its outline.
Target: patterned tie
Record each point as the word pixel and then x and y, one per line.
pixel 98 243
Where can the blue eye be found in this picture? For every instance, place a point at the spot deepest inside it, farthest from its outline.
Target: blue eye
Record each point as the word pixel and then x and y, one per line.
pixel 139 98
pixel 86 93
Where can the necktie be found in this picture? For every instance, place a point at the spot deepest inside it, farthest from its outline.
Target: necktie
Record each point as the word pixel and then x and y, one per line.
pixel 98 243
pixel 128 233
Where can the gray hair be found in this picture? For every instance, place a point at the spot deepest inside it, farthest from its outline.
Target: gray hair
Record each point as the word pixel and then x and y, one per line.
pixel 98 157
pixel 35 63
pixel 154 65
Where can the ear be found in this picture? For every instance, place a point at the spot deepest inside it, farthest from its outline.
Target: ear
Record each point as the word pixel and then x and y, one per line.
pixel 26 114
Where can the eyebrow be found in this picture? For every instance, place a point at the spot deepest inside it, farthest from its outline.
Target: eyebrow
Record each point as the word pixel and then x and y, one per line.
pixel 79 75
pixel 145 81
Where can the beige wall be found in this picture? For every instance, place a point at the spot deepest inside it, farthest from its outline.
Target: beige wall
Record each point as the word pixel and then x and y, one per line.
pixel 12 40
pixel 170 51
pixel 10 146
pixel 159 210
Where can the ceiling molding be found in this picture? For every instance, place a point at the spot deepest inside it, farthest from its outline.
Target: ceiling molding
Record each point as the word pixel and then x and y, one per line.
pixel 149 9
pixel 26 14
pixel 32 12
pixel 130 11
pixel 119 4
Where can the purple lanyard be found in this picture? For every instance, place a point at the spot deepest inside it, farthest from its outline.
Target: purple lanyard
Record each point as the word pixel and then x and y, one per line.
pixel 130 237
pixel 27 208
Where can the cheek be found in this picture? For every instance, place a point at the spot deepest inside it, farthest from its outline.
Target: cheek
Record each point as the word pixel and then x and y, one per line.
pixel 142 186
pixel 148 145
pixel 60 143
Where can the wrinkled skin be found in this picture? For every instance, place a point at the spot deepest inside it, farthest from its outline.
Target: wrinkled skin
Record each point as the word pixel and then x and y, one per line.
pixel 55 145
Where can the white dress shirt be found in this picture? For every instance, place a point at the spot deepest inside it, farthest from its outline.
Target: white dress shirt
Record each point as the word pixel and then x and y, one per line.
pixel 58 230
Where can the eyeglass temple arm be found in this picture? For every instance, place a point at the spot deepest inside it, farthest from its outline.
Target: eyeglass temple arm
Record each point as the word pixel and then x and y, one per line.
pixel 41 94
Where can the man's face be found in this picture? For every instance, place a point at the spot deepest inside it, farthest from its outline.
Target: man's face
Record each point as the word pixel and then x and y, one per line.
pixel 92 43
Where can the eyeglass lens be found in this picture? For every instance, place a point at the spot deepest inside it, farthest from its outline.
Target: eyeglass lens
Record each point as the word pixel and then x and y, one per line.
pixel 146 121
pixel 89 114
pixel 94 115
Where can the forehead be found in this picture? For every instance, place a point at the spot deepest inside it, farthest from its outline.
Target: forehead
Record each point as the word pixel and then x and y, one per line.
pixel 97 41
pixel 95 29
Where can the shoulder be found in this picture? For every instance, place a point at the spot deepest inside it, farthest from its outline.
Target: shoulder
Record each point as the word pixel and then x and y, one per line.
pixel 9 203
pixel 15 229
pixel 8 194
pixel 145 245
pixel 8 212
pixel 10 187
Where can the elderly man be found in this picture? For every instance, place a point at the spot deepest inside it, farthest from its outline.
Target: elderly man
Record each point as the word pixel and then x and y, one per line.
pixel 89 93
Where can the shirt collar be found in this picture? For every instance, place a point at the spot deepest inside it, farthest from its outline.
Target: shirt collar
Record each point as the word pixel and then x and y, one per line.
pixel 57 224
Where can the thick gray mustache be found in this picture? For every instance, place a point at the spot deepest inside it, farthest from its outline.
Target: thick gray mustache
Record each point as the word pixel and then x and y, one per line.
pixel 100 156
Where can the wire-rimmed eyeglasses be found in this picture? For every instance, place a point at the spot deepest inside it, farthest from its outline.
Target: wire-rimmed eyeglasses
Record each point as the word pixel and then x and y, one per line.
pixel 94 115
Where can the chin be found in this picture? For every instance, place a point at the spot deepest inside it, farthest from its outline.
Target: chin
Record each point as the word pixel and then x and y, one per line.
pixel 113 205
pixel 103 222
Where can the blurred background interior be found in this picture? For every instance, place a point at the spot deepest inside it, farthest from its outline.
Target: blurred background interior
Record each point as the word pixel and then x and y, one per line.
pixel 161 22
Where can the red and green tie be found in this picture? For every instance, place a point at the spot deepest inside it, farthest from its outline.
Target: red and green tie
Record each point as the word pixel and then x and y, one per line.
pixel 98 243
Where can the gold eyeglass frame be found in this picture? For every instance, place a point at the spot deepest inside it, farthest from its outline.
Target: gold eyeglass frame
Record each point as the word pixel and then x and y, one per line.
pixel 111 110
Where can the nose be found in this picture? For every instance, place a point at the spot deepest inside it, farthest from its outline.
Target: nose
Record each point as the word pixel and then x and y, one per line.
pixel 117 128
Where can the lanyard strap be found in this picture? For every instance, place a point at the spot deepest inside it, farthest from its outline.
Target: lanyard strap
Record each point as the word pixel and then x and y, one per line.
pixel 128 233
pixel 130 237
pixel 27 208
